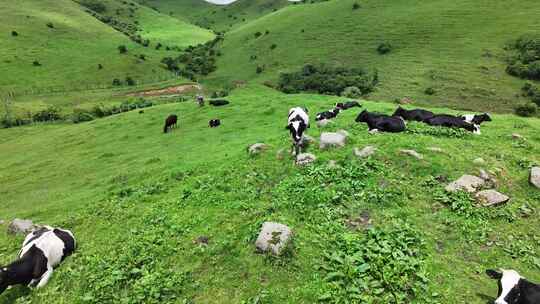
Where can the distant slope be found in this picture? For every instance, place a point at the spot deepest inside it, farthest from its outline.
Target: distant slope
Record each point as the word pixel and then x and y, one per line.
pixel 217 17
pixel 69 53
pixel 453 46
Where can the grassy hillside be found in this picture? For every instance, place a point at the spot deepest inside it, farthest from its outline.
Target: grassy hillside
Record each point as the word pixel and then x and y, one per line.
pixel 137 199
pixel 217 17
pixel 454 47
pixel 70 51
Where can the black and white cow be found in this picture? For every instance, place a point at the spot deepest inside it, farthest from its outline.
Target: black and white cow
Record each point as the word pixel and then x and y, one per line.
pixel 414 115
pixel 347 105
pixel 514 289
pixel 451 121
pixel 382 122
pixel 476 119
pixel 327 114
pixel 297 124
pixel 42 250
pixel 200 100
pixel 214 123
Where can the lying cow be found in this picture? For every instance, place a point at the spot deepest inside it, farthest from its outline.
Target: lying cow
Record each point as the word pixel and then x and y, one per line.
pixel 450 121
pixel 476 119
pixel 42 250
pixel 347 105
pixel 297 123
pixel 214 123
pixel 381 122
pixel 327 114
pixel 414 115
pixel 514 289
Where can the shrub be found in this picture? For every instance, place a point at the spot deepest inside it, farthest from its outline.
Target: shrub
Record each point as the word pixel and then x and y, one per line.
pixel 273 46
pixel 158 46
pixel 99 66
pixel 356 6
pixel 130 81
pixel 50 25
pixel 36 63
pixel 14 34
pixel 142 57
pixel 534 70
pixel 524 59
pixel 80 115
pixel 51 113
pixel 384 48
pixel 116 82
pixel 260 69
pixel 430 91
pixel 526 110
pixel 94 5
pixel 327 80
pixel 122 49
pixel 258 34
pixel 351 92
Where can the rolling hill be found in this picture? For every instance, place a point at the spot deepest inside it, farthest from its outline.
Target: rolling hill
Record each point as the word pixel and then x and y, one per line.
pixel 454 47
pixel 67 44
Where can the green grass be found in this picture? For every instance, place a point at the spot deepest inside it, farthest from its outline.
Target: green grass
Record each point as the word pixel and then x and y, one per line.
pixel 70 52
pixel 454 47
pixel 136 199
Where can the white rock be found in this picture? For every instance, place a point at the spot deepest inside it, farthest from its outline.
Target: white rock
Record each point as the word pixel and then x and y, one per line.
pixel 535 177
pixel 469 183
pixel 412 153
pixel 365 152
pixel 18 226
pixel 435 149
pixel 274 237
pixel 257 148
pixel 329 139
pixel 305 159
pixel 491 198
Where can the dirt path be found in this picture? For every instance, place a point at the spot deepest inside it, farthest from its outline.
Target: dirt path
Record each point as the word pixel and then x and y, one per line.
pixel 172 90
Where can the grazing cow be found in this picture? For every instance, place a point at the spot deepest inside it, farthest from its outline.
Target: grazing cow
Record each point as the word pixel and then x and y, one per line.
pixel 514 289
pixel 170 122
pixel 382 122
pixel 414 115
pixel 218 102
pixel 297 123
pixel 347 105
pixel 42 250
pixel 450 121
pixel 476 119
pixel 200 100
pixel 214 123
pixel 327 114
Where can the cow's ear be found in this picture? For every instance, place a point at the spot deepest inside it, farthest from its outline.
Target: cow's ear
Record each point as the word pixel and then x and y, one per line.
pixel 494 274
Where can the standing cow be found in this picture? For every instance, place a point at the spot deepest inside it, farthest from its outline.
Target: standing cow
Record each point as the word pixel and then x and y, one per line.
pixel 513 288
pixel 170 123
pixel 297 124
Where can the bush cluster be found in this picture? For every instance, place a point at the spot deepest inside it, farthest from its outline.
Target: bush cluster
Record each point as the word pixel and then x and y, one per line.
pixel 524 61
pixel 327 80
pixel 100 111
pixel 532 92
pixel 526 110
pixel 384 48
pixel 51 113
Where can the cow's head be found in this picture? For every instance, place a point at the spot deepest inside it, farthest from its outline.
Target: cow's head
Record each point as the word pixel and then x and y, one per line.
pixel 4 279
pixel 340 105
pixel 509 289
pixel 297 129
pixel 399 111
pixel 484 117
pixel 362 117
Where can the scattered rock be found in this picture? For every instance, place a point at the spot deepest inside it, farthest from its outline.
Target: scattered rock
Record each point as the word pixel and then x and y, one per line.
pixel 344 133
pixel 412 153
pixel 257 148
pixel 469 183
pixel 491 198
pixel 479 161
pixel 365 152
pixel 305 159
pixel 274 237
pixel 18 226
pixel 324 123
pixel 363 221
pixel 535 177
pixel 517 136
pixel 435 149
pixel 202 240
pixel 329 139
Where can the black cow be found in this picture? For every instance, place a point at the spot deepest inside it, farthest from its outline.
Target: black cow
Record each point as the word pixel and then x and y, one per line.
pixel 218 102
pixel 347 105
pixel 170 122
pixel 414 115
pixel 382 122
pixel 327 114
pixel 514 289
pixel 451 121
pixel 42 250
pixel 297 123
pixel 476 119
pixel 214 123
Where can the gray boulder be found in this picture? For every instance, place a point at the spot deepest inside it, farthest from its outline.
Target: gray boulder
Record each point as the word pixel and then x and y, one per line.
pixel 535 177
pixel 491 198
pixel 257 148
pixel 469 183
pixel 365 152
pixel 412 153
pixel 273 238
pixel 304 159
pixel 329 139
pixel 18 226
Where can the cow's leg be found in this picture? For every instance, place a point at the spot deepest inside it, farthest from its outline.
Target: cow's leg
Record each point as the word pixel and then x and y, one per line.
pixel 45 277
